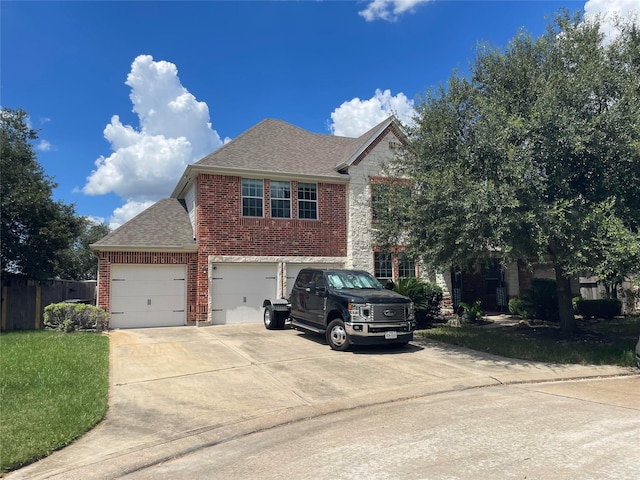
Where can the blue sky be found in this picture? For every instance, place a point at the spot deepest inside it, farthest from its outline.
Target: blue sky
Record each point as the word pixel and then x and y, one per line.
pixel 126 94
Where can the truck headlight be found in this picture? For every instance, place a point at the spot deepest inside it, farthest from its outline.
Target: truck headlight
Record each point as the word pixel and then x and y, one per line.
pixel 359 310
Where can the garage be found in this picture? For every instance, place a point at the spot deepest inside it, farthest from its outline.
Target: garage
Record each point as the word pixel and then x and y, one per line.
pixel 148 295
pixel 237 291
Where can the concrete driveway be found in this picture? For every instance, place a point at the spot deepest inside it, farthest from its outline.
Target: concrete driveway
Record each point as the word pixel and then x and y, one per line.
pixel 181 389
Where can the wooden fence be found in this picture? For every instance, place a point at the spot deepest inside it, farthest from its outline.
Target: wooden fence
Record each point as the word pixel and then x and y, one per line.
pixel 24 300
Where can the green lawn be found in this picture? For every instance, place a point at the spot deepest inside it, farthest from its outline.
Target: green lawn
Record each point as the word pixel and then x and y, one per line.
pixel 53 388
pixel 596 342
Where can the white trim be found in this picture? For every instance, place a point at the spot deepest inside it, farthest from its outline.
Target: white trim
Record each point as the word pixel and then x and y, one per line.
pixel 145 248
pixel 366 145
pixel 192 172
pixel 266 259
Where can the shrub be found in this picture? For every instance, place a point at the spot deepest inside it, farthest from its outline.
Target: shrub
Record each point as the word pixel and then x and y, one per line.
pixel 472 311
pixel 543 299
pixel 426 298
pixel 605 308
pixel 69 317
pixel 434 294
pixel 520 306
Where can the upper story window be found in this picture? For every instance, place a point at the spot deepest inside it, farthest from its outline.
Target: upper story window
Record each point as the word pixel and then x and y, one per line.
pixel 379 201
pixel 388 201
pixel 307 201
pixel 252 197
pixel 280 199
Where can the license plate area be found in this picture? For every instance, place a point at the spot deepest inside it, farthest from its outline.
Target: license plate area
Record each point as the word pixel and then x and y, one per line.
pixel 390 335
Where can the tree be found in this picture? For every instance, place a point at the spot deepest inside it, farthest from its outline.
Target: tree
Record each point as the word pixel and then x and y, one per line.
pixel 615 252
pixel 79 262
pixel 514 159
pixel 35 229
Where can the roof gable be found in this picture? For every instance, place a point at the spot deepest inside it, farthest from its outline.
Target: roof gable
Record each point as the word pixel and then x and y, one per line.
pixel 279 147
pixel 165 225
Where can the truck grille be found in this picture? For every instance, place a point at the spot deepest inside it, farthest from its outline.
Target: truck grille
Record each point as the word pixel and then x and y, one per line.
pixel 389 313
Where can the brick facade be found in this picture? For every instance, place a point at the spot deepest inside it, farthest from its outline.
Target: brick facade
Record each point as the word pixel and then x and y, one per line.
pixel 107 259
pixel 222 230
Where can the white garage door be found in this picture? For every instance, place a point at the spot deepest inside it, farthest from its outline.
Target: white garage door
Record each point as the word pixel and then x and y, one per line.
pixel 237 291
pixel 148 295
pixel 294 268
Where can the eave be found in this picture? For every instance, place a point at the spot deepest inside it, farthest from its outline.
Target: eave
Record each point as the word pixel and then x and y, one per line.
pixel 192 171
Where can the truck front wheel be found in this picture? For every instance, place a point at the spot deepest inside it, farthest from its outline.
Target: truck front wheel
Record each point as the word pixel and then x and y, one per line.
pixel 337 335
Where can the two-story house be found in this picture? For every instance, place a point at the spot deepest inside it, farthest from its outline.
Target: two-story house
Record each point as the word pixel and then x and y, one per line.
pixel 243 221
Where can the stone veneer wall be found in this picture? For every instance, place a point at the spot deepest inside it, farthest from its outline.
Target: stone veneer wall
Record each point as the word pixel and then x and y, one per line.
pixel 359 237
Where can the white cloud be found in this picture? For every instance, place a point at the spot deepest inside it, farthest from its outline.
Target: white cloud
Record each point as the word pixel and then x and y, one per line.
pixel 146 162
pixel 95 220
pixel 355 117
pixel 388 10
pixel 609 11
pixel 44 146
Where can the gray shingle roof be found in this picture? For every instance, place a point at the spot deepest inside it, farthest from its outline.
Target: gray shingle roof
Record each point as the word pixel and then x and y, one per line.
pixel 278 147
pixel 271 146
pixel 164 225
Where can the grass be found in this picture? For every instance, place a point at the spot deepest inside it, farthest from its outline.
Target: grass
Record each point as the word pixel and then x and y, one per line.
pixel 53 388
pixel 596 342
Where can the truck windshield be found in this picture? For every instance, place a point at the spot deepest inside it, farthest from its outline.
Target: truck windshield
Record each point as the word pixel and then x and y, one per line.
pixel 343 280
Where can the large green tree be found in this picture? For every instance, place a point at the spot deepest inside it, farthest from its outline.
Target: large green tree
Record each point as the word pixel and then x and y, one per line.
pixel 529 156
pixel 35 228
pixel 79 262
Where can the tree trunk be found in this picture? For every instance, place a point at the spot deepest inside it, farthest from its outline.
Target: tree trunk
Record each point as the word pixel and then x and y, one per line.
pixel 565 304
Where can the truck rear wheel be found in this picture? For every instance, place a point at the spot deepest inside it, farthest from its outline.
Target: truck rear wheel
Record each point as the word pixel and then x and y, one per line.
pixel 337 336
pixel 273 320
pixel 269 318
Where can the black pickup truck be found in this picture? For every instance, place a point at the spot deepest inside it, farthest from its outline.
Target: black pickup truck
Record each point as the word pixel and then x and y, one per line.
pixel 350 307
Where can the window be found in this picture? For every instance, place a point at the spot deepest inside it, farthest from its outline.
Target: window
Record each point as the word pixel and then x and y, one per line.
pixel 406 266
pixel 389 201
pixel 355 280
pixel 308 201
pixel 318 279
pixel 304 277
pixel 383 266
pixel 280 199
pixel 379 201
pixel 252 197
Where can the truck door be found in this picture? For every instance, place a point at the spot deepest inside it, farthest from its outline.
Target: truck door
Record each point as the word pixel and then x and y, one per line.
pixel 315 298
pixel 299 295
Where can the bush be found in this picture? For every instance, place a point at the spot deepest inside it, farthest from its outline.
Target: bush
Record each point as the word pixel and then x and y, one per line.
pixel 520 306
pixel 472 311
pixel 70 317
pixel 426 298
pixel 543 299
pixel 434 294
pixel 606 308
